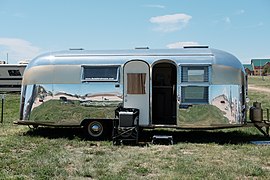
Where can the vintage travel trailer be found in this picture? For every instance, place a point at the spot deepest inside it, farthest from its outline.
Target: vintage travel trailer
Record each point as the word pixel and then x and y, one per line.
pixel 11 77
pixel 193 87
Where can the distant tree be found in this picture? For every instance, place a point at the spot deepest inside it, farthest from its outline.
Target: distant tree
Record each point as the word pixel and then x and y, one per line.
pixel 266 69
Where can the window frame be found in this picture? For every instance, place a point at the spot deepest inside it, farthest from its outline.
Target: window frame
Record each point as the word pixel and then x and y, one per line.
pixel 100 79
pixel 184 77
pixel 204 100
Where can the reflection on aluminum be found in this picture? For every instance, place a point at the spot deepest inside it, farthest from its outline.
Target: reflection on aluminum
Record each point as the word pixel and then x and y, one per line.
pixel 70 102
pixel 224 108
pixel 73 102
pixel 226 98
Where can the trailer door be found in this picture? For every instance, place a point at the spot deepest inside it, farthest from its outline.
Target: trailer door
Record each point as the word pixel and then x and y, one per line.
pixel 136 88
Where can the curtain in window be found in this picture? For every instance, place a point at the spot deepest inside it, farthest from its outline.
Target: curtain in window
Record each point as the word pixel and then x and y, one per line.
pixel 136 83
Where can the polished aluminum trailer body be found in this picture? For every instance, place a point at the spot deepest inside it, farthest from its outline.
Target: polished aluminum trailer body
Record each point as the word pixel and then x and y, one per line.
pixel 189 87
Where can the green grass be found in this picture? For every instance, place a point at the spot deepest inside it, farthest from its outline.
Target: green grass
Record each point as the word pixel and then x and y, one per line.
pixel 11 107
pixel 26 156
pixel 260 81
pixel 262 97
pixel 59 153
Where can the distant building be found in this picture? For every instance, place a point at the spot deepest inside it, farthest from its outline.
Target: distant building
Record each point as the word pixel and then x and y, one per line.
pixel 257 65
pixel 248 69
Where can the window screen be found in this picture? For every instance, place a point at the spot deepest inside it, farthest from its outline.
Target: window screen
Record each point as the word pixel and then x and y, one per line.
pixel 194 74
pixel 136 83
pixel 194 94
pixel 100 73
pixel 14 73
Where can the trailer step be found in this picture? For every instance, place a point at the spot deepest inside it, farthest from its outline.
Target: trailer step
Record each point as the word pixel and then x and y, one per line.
pixel 162 140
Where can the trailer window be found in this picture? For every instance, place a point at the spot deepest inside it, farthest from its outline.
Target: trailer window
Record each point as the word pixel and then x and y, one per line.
pixel 194 74
pixel 136 83
pixel 100 73
pixel 194 94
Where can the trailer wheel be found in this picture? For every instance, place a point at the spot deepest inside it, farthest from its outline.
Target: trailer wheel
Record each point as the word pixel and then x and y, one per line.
pixel 95 130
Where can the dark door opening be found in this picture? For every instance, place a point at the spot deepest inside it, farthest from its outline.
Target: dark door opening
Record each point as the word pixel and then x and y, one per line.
pixel 164 84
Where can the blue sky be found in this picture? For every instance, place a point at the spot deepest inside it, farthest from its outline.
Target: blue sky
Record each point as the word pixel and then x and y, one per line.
pixel 30 27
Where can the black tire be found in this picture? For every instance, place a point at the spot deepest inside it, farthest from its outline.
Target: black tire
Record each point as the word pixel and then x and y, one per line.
pixel 96 130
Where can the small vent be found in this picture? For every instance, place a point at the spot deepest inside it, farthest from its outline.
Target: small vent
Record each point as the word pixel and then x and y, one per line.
pixel 76 49
pixel 141 47
pixel 187 47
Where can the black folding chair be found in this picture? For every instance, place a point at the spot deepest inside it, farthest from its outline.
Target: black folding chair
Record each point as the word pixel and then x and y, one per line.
pixel 126 126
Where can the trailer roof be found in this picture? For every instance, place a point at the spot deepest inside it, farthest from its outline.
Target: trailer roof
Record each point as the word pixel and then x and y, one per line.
pixel 188 54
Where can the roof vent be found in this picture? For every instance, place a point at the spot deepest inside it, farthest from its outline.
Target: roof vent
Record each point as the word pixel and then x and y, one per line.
pixel 76 49
pixel 141 47
pixel 196 46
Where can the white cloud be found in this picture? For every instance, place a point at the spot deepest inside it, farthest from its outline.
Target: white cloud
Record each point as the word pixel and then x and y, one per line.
pixel 170 23
pixel 155 6
pixel 18 49
pixel 181 44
